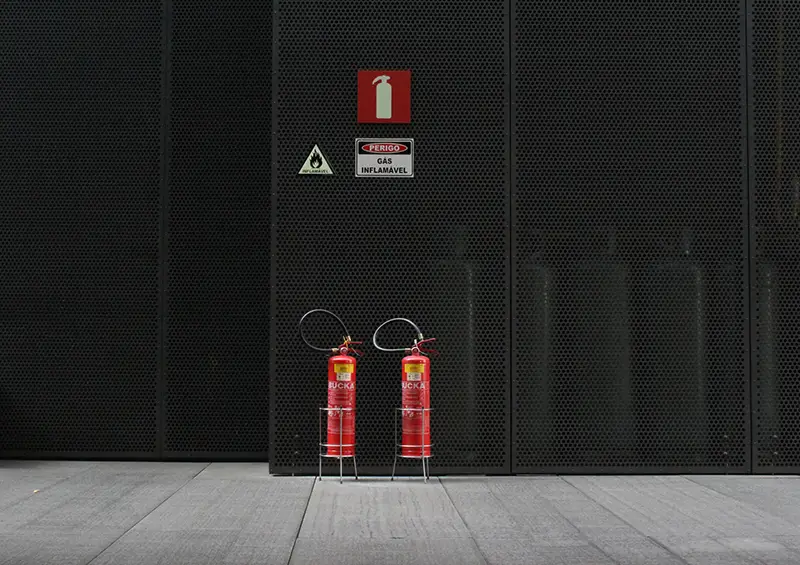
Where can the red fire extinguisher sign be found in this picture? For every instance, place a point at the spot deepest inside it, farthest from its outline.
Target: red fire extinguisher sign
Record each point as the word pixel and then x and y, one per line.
pixel 384 97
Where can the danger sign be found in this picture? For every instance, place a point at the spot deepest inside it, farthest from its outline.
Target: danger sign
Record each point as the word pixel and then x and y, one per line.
pixel 384 97
pixel 385 158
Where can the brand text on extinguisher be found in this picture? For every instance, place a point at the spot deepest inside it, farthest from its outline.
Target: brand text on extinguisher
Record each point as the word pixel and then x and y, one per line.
pixel 341 385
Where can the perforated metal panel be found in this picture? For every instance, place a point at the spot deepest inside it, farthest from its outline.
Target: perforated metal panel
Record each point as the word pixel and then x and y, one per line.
pixel 432 248
pixel 216 394
pixel 129 129
pixel 630 248
pixel 775 171
pixel 79 170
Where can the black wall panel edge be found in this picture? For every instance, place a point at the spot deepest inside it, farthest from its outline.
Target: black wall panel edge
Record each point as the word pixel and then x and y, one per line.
pixel 747 195
pixel 750 237
pixel 226 456
pixel 774 59
pixel 512 202
pixel 273 294
pixel 23 454
pixel 163 264
pixel 511 250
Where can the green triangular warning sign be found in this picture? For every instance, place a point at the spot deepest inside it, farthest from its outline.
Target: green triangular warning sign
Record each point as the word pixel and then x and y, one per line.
pixel 316 164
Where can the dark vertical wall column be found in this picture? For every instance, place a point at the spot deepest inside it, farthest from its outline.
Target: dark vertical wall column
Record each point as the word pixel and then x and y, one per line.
pixel 217 318
pixel 433 248
pixel 80 109
pixel 630 265
pixel 775 174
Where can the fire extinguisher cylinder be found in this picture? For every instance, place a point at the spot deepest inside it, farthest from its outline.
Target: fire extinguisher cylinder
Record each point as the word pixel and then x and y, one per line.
pixel 341 412
pixel 416 395
pixel 416 403
pixel 342 395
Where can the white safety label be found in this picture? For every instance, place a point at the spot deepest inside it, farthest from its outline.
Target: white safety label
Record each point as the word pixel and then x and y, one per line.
pixel 385 158
pixel 316 164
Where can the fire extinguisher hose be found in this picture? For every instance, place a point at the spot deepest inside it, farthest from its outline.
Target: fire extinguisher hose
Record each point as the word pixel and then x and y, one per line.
pixel 418 341
pixel 348 342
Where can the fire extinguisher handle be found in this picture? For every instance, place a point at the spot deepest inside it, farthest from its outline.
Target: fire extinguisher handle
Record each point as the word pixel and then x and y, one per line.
pixel 428 350
pixel 348 344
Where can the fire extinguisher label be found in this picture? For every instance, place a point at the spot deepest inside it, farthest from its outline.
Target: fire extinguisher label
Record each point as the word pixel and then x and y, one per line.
pixel 414 376
pixel 342 367
pixel 414 369
pixel 343 376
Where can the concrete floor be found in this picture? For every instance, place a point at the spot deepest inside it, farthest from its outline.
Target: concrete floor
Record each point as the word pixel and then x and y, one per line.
pixel 234 514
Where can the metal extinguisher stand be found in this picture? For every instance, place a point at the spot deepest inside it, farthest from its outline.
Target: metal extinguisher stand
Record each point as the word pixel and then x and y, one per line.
pixel 426 464
pixel 425 449
pixel 323 446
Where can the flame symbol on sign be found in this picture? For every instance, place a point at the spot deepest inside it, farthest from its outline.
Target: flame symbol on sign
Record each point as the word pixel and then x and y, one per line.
pixel 316 160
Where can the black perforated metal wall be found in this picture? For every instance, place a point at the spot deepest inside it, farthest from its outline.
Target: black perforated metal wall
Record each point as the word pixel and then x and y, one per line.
pixel 630 240
pixel 80 147
pixel 576 233
pixel 775 173
pixel 433 248
pixel 217 318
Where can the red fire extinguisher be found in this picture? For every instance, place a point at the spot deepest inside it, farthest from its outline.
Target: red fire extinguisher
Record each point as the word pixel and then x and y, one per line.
pixel 341 411
pixel 416 396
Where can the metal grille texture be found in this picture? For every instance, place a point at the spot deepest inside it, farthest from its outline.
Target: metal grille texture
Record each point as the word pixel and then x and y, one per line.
pixel 579 232
pixel 433 248
pixel 80 150
pixel 775 171
pixel 217 316
pixel 630 219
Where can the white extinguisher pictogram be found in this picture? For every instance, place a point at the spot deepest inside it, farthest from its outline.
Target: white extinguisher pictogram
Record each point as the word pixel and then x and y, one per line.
pixel 383 98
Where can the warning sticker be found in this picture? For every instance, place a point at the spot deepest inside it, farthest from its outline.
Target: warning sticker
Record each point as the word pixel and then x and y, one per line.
pixel 385 158
pixel 316 164
pixel 342 367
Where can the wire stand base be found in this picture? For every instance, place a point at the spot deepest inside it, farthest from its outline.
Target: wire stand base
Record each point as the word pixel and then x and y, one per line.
pixel 340 445
pixel 422 446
